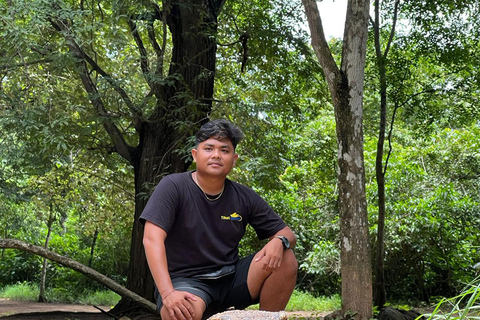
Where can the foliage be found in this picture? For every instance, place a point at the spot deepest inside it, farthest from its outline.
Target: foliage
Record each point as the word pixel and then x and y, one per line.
pixel 88 204
pixel 431 67
pixel 428 207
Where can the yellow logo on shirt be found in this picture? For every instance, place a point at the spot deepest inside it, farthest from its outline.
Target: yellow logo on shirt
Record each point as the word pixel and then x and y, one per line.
pixel 233 217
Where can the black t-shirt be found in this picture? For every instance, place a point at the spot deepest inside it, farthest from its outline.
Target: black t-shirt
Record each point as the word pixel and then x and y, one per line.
pixel 203 235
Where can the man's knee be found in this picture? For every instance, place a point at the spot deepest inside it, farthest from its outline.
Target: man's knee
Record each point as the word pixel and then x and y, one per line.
pixel 198 309
pixel 166 316
pixel 290 263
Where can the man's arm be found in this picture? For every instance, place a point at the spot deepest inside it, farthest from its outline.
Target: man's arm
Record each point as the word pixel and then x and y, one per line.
pixel 175 302
pixel 272 253
pixel 154 243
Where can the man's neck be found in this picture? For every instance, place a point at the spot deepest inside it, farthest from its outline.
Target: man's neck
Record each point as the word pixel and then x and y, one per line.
pixel 209 185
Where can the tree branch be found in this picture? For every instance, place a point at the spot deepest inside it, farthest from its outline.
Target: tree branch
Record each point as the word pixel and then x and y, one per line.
pixel 376 30
pixel 141 48
pixel 150 18
pixel 121 146
pixel 159 51
pixel 80 53
pixel 390 132
pixel 392 31
pixel 156 47
pixel 217 6
pixel 319 43
pixel 77 266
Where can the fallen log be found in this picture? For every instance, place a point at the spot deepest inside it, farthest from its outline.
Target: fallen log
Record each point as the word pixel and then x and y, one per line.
pixel 83 269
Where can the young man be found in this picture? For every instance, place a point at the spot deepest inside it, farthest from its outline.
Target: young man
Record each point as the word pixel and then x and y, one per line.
pixel 194 222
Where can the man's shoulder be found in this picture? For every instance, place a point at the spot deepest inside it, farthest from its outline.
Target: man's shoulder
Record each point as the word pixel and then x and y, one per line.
pixel 177 177
pixel 173 181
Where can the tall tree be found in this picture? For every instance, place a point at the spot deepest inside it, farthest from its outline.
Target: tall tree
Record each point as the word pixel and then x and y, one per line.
pixel 454 48
pixel 146 68
pixel 381 57
pixel 346 85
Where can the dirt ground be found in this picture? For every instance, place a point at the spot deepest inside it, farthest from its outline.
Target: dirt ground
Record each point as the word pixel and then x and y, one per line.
pixel 26 310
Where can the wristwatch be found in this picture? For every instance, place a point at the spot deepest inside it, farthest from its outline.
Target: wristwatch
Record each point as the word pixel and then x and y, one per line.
pixel 285 242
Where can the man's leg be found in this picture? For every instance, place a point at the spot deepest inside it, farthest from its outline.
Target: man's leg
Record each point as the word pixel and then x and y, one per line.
pixel 273 288
pixel 201 290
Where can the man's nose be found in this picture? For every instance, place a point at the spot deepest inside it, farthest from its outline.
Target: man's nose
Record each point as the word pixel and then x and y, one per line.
pixel 216 154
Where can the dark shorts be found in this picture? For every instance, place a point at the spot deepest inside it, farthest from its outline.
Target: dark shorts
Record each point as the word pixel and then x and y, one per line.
pixel 219 294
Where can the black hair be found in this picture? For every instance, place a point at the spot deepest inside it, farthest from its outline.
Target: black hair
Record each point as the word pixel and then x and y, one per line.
pixel 219 129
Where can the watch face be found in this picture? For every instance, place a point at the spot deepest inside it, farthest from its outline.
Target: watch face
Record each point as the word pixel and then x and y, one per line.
pixel 285 242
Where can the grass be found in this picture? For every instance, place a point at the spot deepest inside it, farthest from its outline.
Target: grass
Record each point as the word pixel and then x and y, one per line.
pixel 300 301
pixel 30 292
pixel 21 291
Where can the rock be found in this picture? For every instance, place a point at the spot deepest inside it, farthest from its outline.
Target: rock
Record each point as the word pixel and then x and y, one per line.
pixel 397 314
pixel 249 315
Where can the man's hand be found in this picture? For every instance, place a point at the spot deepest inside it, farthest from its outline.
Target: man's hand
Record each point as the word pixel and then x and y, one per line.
pixel 271 255
pixel 178 304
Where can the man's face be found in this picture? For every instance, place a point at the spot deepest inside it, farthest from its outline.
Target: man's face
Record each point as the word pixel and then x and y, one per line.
pixel 215 157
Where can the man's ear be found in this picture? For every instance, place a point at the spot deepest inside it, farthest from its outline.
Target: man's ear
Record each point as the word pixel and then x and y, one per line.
pixel 194 155
pixel 235 157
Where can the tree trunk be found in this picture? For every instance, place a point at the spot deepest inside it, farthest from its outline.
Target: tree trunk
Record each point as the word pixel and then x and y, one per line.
pixel 72 264
pixel 356 271
pixel 380 169
pixel 380 297
pixel 161 138
pixel 43 277
pixel 154 162
pixel 92 248
pixel 346 87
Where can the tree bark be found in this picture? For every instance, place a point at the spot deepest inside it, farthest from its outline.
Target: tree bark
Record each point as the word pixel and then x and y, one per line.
pixel 72 264
pixel 346 87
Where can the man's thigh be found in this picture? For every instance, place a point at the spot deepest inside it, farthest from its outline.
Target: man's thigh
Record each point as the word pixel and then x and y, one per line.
pixel 238 294
pixel 196 287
